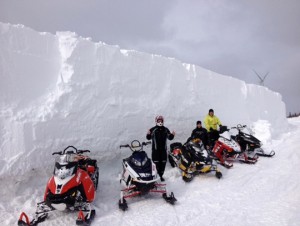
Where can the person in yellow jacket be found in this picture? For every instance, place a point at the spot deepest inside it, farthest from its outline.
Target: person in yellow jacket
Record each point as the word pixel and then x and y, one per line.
pixel 211 123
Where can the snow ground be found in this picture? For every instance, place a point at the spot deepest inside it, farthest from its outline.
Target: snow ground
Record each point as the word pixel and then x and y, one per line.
pixel 266 193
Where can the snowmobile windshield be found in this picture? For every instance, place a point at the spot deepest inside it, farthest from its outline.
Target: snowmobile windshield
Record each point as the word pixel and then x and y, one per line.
pixel 226 135
pixel 246 130
pixel 139 158
pixel 65 166
pixel 197 146
pixel 66 158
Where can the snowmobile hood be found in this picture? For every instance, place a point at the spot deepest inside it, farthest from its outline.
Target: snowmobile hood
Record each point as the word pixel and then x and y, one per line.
pixel 64 171
pixel 231 144
pixel 139 159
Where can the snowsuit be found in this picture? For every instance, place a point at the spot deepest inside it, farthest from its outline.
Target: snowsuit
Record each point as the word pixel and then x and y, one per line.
pixel 159 136
pixel 200 133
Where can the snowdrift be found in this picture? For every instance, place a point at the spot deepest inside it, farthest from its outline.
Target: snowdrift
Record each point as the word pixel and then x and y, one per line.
pixel 59 90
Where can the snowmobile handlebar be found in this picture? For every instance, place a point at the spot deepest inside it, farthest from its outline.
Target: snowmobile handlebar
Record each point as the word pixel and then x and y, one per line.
pixel 135 144
pixel 82 151
pixel 146 143
pixel 72 150
pixel 239 127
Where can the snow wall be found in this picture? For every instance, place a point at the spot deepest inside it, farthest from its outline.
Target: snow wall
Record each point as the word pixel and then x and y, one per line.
pixel 60 90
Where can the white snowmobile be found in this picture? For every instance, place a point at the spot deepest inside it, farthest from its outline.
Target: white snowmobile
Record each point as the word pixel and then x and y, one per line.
pixel 250 143
pixel 139 176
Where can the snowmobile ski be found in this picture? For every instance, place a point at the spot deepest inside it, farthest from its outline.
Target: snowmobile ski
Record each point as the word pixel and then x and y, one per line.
pixel 123 205
pixel 169 199
pixel 261 152
pixel 36 220
pixel 226 164
pixel 87 219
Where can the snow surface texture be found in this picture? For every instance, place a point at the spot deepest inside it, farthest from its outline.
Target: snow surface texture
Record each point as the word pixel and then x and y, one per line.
pixel 60 90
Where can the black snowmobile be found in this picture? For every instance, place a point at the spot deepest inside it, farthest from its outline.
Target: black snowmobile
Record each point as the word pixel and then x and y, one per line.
pixel 249 143
pixel 192 159
pixel 139 176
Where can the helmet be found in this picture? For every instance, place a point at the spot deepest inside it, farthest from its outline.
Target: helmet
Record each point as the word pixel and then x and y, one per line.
pixel 159 120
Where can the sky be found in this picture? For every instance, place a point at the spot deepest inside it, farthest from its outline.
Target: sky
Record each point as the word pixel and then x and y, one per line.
pixel 238 38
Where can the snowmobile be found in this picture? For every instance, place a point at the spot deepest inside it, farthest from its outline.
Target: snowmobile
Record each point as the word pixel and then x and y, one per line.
pixel 226 150
pixel 192 159
pixel 249 143
pixel 139 176
pixel 72 187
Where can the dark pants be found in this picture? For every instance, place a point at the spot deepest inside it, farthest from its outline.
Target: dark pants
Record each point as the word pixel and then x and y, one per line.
pixel 213 136
pixel 160 160
pixel 160 166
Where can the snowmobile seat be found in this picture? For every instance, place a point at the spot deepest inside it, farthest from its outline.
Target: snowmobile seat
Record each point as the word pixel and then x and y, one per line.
pixel 223 129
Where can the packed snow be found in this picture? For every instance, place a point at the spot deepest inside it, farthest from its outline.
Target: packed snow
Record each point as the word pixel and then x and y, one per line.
pixel 59 90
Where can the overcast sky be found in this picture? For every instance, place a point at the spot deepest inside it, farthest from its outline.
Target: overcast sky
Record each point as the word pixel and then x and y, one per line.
pixel 231 37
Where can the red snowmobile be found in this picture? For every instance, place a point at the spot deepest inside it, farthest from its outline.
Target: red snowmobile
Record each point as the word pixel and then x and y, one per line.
pixel 226 150
pixel 72 187
pixel 140 176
